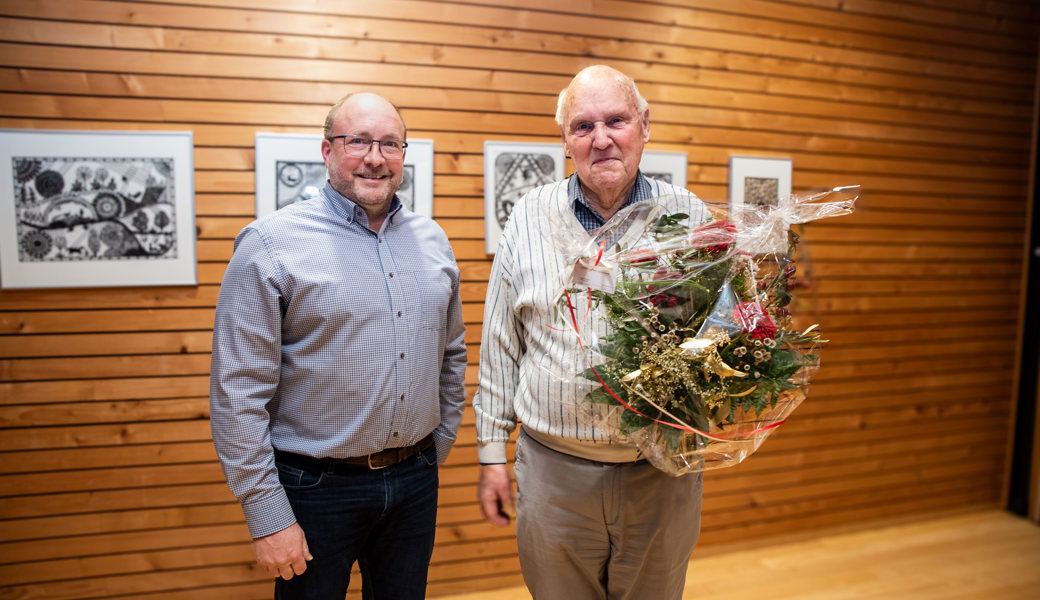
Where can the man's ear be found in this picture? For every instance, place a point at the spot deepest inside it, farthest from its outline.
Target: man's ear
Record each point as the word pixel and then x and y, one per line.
pixel 646 125
pixel 563 139
pixel 326 150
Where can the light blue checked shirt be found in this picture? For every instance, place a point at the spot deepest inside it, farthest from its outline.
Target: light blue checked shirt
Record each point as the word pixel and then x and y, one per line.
pixel 332 341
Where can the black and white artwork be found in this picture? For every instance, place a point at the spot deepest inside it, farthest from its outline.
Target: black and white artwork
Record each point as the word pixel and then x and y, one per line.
pixel 511 169
pixel 416 191
pixel 664 165
pixel 297 180
pixel 86 209
pixel 758 185
pixel 72 208
pixel 289 168
pixel 762 191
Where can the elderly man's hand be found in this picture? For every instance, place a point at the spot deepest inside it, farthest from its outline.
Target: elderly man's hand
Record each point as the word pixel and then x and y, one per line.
pixel 283 554
pixel 496 494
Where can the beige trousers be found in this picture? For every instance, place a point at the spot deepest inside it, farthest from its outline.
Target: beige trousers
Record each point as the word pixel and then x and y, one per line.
pixel 588 530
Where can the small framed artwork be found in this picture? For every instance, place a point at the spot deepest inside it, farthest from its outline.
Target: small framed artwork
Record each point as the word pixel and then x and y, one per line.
pixel 664 165
pixel 416 191
pixel 511 169
pixel 761 184
pixel 289 168
pixel 759 181
pixel 96 208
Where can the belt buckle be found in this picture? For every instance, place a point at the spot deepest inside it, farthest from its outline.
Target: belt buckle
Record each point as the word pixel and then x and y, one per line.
pixel 373 467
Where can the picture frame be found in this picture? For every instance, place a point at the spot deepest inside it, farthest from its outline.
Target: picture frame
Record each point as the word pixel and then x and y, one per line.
pixel 416 191
pixel 764 183
pixel 759 181
pixel 665 165
pixel 511 169
pixel 96 209
pixel 289 167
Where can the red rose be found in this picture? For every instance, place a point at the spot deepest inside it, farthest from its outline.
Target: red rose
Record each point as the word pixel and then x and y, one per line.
pixel 754 320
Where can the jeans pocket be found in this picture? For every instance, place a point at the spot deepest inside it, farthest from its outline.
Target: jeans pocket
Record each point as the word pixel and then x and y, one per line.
pixel 428 457
pixel 295 478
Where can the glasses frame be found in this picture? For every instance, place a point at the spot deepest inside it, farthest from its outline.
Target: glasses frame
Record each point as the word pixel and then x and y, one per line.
pixel 368 147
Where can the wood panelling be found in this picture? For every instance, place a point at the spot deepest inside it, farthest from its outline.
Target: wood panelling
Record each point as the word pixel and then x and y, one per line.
pixel 111 488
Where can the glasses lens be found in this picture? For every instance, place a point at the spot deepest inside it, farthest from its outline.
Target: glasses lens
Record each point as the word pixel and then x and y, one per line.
pixel 360 146
pixel 356 146
pixel 391 148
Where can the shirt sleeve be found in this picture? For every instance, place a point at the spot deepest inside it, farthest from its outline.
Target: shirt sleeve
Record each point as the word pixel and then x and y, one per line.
pixel 501 349
pixel 244 374
pixel 453 372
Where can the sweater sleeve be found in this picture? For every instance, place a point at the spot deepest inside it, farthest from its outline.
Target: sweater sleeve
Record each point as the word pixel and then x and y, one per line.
pixel 501 350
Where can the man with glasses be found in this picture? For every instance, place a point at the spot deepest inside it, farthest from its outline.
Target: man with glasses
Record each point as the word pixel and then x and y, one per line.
pixel 593 520
pixel 337 379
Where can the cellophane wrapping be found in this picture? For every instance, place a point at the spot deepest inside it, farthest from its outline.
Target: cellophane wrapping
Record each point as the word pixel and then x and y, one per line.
pixel 701 359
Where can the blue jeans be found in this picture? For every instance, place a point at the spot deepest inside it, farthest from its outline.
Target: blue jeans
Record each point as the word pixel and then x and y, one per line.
pixel 384 519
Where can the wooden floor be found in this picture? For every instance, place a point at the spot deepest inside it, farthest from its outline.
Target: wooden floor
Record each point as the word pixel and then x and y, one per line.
pixel 976 555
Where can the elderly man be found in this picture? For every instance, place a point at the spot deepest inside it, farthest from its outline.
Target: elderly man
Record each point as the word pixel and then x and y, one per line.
pixel 594 521
pixel 337 381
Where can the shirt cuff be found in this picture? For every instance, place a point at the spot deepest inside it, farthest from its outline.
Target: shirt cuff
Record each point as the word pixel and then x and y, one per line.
pixel 269 516
pixel 443 445
pixel 492 453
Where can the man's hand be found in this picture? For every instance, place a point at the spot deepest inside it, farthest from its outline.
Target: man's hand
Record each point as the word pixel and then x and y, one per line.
pixel 496 494
pixel 283 554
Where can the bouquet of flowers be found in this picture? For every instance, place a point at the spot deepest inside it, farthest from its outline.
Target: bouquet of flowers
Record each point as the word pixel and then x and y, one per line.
pixel 701 356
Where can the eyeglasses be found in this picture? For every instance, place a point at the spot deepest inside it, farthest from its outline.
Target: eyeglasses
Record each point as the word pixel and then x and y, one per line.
pixel 356 145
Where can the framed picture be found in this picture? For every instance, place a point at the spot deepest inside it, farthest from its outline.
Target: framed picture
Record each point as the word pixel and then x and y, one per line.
pixel 96 208
pixel 289 167
pixel 759 181
pixel 664 165
pixel 416 191
pixel 511 169
pixel 763 183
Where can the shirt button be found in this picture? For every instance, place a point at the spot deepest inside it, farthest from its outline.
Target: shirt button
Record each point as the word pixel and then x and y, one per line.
pixel 398 313
pixel 402 397
pixel 391 275
pixel 402 355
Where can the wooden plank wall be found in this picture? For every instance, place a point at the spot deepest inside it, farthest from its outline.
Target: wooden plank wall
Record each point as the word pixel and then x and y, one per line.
pixel 109 486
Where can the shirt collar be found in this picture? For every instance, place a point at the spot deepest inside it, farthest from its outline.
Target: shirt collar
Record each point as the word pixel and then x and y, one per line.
pixel 587 216
pixel 348 210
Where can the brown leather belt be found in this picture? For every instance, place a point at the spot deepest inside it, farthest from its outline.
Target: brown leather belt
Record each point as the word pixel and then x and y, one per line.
pixel 379 460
